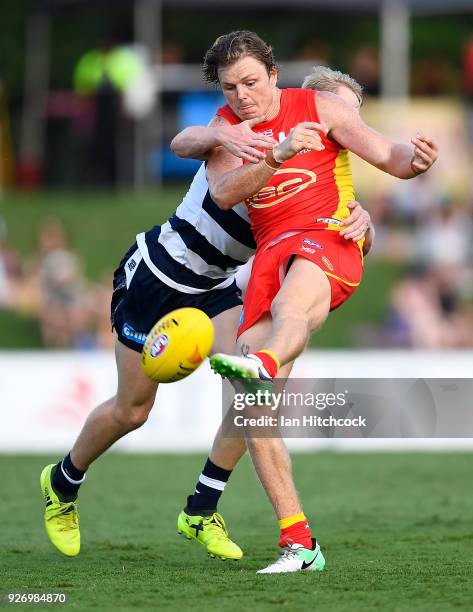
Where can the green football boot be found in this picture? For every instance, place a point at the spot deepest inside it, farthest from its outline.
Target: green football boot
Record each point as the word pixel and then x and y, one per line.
pixel 61 518
pixel 211 532
pixel 248 369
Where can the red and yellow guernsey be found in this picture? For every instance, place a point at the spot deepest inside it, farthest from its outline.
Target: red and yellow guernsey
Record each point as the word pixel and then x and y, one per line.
pixel 309 191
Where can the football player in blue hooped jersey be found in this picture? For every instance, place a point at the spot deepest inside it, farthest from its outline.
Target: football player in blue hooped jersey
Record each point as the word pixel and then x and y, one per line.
pixel 190 260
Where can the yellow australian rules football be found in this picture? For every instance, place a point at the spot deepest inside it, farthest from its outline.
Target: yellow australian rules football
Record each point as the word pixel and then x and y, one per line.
pixel 177 345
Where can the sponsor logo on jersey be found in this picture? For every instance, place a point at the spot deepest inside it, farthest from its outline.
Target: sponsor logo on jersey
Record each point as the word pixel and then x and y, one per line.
pixel 307 249
pixel 131 334
pixel 159 345
pixel 312 243
pixel 328 263
pixel 298 180
pixel 329 220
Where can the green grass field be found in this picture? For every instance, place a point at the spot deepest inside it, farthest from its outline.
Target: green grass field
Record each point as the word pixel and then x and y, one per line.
pixel 397 531
pixel 103 226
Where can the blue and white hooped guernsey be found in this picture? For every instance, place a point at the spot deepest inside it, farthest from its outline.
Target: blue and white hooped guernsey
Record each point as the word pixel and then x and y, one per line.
pixel 201 246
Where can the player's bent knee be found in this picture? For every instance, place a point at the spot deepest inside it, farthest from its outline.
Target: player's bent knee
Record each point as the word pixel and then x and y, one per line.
pixel 132 416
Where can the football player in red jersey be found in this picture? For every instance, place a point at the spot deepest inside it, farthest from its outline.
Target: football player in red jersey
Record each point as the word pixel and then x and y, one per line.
pixel 239 139
pixel 297 196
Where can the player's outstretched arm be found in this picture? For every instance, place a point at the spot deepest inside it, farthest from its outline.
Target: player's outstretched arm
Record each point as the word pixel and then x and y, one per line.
pixel 346 127
pixel 196 142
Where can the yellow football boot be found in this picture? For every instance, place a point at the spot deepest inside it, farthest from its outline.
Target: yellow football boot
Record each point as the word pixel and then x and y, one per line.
pixel 211 532
pixel 61 518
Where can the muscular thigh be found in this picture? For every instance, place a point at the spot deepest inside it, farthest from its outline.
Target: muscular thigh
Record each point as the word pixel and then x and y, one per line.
pixel 305 288
pixel 134 387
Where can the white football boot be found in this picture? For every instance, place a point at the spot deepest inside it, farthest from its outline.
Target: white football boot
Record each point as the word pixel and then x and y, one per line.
pixel 296 558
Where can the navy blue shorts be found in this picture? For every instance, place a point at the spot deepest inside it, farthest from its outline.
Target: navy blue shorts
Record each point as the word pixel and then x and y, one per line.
pixel 140 299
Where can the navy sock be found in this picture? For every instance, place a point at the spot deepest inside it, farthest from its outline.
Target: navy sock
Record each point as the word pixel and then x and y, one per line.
pixel 66 479
pixel 208 490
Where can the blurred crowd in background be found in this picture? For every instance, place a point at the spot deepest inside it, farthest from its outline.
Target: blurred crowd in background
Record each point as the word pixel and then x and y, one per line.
pixel 426 232
pixel 431 306
pixel 50 285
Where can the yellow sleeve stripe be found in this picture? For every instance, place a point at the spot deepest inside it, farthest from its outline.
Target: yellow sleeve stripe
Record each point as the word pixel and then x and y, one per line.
pixel 342 280
pixel 292 520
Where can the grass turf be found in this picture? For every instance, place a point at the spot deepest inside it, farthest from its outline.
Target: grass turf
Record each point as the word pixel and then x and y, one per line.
pixel 396 530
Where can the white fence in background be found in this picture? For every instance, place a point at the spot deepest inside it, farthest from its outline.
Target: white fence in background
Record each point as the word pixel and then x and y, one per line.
pixel 46 396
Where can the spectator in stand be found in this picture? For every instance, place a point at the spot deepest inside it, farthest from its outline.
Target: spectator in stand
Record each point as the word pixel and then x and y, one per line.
pixel 431 306
pixel 415 319
pixel 445 237
pixel 426 313
pixel 412 203
pixel 62 290
pixel 103 75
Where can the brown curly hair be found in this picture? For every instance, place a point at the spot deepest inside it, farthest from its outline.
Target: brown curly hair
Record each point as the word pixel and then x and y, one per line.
pixel 229 48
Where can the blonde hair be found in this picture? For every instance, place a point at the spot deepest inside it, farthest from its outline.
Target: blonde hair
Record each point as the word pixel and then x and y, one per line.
pixel 326 79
